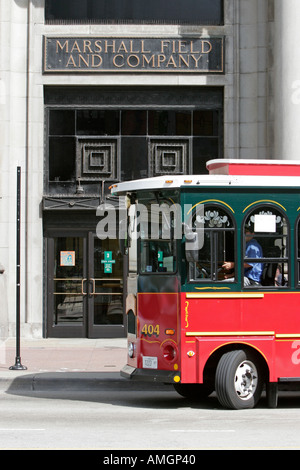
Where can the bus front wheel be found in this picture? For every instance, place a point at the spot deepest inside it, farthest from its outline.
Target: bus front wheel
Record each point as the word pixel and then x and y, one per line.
pixel 239 380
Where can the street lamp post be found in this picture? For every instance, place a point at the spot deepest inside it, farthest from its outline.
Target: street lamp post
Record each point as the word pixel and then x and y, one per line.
pixel 18 365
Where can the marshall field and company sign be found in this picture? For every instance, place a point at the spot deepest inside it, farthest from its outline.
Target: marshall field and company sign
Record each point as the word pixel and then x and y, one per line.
pixel 100 54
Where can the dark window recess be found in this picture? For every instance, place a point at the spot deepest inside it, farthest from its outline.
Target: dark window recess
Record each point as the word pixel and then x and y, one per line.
pixel 134 162
pixel 97 122
pixel 135 11
pixel 199 165
pixel 134 122
pixel 61 159
pixel 62 122
pixel 169 123
pixel 206 123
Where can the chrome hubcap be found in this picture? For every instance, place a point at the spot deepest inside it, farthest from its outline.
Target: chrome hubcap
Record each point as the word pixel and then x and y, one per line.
pixel 245 381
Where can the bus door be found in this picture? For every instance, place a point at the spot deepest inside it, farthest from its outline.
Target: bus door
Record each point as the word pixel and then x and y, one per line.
pixel 153 286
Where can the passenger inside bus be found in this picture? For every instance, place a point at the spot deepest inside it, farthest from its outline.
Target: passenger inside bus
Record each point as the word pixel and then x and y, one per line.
pixel 262 256
pixel 252 271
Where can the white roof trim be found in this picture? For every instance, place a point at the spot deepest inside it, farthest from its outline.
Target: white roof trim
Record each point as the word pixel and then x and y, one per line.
pixel 237 161
pixel 185 181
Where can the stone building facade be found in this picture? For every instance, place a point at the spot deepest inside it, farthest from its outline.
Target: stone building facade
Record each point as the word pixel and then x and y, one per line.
pixel 87 100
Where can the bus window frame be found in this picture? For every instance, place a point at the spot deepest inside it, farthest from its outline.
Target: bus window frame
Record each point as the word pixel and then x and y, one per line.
pixel 156 273
pixel 233 229
pixel 297 257
pixel 282 260
pixel 157 197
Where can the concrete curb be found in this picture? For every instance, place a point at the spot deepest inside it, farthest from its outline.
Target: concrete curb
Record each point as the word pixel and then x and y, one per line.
pixel 74 382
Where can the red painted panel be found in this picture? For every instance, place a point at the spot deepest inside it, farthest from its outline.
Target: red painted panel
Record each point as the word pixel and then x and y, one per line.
pixel 276 313
pixel 157 313
pixel 215 322
pixel 254 167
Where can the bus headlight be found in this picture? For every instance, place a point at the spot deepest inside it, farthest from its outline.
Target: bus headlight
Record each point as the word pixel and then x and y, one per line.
pixel 130 349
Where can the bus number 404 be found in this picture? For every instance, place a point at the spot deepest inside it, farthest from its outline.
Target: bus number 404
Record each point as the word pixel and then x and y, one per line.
pixel 149 330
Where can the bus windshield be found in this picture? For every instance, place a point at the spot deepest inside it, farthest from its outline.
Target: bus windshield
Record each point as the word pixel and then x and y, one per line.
pixel 156 230
pixel 157 256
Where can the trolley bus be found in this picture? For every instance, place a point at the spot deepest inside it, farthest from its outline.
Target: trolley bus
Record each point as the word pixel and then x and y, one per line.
pixel 215 304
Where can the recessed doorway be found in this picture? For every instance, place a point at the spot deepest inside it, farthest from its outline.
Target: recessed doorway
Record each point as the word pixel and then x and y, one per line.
pixel 84 286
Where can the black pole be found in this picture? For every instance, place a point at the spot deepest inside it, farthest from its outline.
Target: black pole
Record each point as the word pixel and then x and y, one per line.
pixel 18 365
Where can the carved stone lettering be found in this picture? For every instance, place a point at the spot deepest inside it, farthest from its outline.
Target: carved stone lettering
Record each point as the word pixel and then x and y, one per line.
pixel 99 54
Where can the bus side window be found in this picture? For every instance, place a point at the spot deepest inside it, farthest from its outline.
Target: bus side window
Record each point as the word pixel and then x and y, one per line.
pixel 298 250
pixel 266 234
pixel 218 245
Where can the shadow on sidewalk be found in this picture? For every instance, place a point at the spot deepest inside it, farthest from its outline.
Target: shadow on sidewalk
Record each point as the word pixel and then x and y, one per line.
pixel 79 381
pixel 111 388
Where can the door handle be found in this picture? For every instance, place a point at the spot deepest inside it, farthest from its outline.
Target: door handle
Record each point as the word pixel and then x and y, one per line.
pixel 93 281
pixel 82 282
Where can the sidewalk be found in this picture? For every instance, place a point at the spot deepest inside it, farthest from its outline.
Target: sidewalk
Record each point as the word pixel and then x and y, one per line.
pixel 62 362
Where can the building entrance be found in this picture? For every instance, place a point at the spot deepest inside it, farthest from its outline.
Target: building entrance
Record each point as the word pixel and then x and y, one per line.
pixel 85 286
pixel 97 136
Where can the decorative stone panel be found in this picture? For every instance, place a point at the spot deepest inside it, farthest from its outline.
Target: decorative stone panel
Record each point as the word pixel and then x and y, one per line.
pixel 97 159
pixel 168 157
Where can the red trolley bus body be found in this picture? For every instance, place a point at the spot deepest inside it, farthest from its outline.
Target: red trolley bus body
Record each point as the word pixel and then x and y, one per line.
pixel 193 321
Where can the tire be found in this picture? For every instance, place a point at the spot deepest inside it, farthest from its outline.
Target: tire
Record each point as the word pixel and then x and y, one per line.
pixel 193 391
pixel 239 380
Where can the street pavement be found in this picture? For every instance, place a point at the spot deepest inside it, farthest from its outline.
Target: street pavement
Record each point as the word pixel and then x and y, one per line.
pixel 52 363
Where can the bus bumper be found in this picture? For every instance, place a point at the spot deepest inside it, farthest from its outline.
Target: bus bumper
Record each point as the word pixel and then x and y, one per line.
pixel 150 375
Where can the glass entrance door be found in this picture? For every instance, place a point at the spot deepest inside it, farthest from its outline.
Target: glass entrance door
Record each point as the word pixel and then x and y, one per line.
pixel 84 286
pixel 106 288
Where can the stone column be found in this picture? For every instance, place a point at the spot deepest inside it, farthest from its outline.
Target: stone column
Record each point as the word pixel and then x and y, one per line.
pixel 13 54
pixel 286 80
pixel 21 144
pixel 253 64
